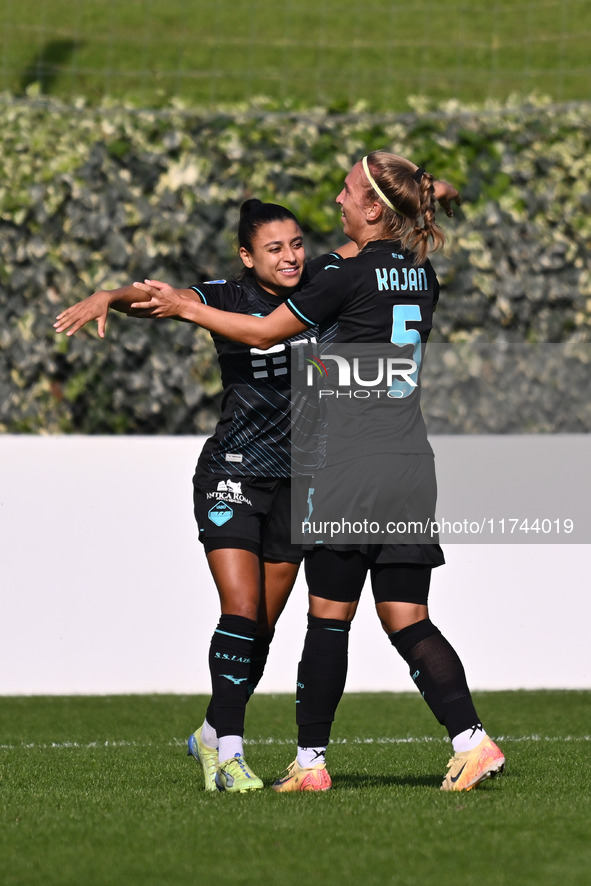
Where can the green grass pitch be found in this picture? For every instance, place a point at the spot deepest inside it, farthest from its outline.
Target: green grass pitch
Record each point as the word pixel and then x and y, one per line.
pixel 303 52
pixel 99 791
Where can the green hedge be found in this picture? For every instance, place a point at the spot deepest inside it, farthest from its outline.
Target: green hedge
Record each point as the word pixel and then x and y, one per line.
pixel 95 197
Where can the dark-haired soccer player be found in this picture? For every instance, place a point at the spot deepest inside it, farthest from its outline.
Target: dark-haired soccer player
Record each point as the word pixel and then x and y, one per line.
pixel 242 480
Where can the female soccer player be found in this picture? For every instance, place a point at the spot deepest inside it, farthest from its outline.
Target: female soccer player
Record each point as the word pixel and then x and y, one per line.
pixel 385 294
pixel 241 484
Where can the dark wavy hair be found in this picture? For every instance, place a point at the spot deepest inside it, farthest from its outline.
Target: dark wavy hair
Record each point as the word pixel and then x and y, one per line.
pixel 254 214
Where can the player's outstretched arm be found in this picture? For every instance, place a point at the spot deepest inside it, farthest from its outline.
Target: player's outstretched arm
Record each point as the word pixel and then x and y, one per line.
pixel 158 299
pixel 95 307
pixel 258 332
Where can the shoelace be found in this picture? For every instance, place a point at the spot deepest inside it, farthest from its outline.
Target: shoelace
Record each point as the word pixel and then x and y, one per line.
pixel 242 763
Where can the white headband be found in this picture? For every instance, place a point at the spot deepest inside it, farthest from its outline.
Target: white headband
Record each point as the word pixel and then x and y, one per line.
pixel 377 189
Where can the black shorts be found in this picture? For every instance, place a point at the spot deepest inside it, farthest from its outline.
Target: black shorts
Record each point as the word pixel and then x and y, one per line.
pixel 341 575
pixel 385 500
pixel 249 513
pixel 401 488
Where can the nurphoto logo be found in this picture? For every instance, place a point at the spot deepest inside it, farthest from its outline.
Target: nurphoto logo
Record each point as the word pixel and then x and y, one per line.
pixel 397 376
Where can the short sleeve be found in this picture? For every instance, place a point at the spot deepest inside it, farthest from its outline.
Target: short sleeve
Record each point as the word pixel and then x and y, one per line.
pixel 325 295
pixel 226 295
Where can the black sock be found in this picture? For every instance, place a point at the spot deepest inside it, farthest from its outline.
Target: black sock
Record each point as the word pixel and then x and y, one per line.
pixel 230 656
pixel 260 652
pixel 438 674
pixel 321 679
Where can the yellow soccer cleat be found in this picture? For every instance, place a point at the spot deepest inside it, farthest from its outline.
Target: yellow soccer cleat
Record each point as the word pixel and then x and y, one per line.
pixel 208 757
pixel 298 778
pixel 469 768
pixel 235 776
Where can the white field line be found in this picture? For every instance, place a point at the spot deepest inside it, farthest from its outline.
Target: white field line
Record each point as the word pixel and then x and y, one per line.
pixel 279 742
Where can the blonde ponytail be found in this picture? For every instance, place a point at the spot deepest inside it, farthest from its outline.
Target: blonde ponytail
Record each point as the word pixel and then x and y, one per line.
pixel 408 201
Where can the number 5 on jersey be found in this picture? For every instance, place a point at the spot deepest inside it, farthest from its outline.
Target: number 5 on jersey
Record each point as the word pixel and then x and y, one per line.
pixel 401 335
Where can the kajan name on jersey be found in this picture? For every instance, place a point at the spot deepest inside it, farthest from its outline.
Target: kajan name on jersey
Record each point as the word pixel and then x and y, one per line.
pixel 413 279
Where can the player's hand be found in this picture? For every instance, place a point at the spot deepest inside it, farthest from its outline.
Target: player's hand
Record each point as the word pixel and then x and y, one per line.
pixel 164 300
pixel 446 194
pixel 95 307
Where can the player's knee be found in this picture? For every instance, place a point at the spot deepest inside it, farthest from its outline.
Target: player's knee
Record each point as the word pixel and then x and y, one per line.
pixel 405 639
pixel 319 607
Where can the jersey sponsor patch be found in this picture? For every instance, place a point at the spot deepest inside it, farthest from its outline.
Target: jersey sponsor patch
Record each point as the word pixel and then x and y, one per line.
pixel 233 457
pixel 220 513
pixel 228 490
pixel 230 486
pixel 272 362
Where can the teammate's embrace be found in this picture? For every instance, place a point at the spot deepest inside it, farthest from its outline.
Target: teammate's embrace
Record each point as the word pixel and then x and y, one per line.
pixel 388 211
pixel 242 480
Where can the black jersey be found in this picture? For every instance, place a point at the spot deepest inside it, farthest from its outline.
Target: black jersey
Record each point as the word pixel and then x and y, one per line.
pixel 364 296
pixel 252 437
pixel 382 303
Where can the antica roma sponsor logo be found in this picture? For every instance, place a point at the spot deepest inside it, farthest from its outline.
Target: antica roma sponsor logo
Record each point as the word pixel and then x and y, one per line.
pixel 229 490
